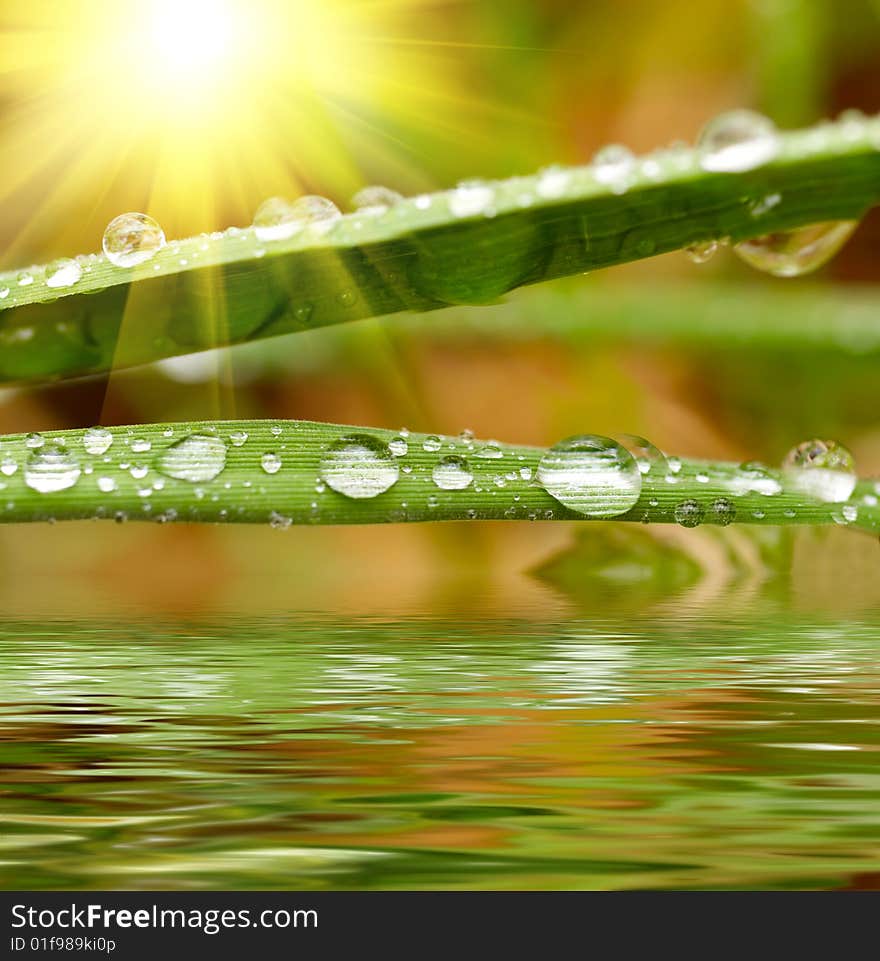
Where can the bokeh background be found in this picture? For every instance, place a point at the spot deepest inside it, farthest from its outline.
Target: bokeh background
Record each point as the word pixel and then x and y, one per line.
pixel 394 706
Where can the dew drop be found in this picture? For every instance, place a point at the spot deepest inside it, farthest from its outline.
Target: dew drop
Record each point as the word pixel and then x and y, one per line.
pixel 97 441
pixel 648 457
pixel 4 292
pixel 140 445
pixel 51 468
pixel 106 484
pixel 375 199
pixel 432 443
pixel 198 457
pixel 470 198
pixel 703 252
pixel 8 466
pixel 25 278
pixel 822 469
pixel 753 477
pixel 452 473
pixel 490 451
pixel 279 522
pixel 278 218
pixel 553 182
pixel 792 253
pixel 592 475
pixel 613 166
pixel 688 513
pixel 737 141
pixel 131 239
pixel 846 515
pixel 398 446
pixel 238 438
pixel 33 441
pixel 359 466
pixel 63 273
pixel 723 512
pixel 270 462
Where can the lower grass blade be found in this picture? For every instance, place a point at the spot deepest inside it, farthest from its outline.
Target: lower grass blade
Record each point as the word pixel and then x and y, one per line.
pixel 269 472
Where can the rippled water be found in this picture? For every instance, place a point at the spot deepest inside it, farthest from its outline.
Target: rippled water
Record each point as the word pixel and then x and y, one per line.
pixel 322 753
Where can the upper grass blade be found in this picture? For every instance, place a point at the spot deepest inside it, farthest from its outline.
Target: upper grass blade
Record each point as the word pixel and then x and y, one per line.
pixel 229 288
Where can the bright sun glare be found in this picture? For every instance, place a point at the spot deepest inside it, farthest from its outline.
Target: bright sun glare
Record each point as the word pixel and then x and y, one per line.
pixel 190 36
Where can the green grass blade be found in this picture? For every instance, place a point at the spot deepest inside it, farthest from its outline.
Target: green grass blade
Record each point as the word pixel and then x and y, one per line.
pixel 504 487
pixel 205 292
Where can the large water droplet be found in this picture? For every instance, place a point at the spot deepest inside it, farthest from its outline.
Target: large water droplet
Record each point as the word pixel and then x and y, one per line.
pixel 198 457
pixel 132 239
pixel 737 141
pixel 822 469
pixel 613 165
pixel 51 468
pixel 592 475
pixel 375 199
pixel 359 466
pixel 791 253
pixel 63 273
pixel 97 441
pixel 452 473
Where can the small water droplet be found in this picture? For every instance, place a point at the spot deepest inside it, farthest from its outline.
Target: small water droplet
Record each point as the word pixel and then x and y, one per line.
pixel 359 466
pixel 51 468
pixel 398 446
pixel 470 199
pixel 270 462
pixel 278 218
pixel 702 252
pixel 688 513
pixel 131 239
pixel 822 469
pixel 723 512
pixel 33 441
pixel 63 273
pixel 737 141
pixel 613 166
pixel 553 182
pixel 452 473
pixel 198 457
pixel 375 199
pixel 753 477
pixel 140 445
pixel 238 438
pixel 792 253
pixel 432 443
pixel 648 457
pixel 846 515
pixel 592 475
pixel 490 451
pixel 25 278
pixel 279 522
pixel 97 441
pixel 106 484
pixel 8 466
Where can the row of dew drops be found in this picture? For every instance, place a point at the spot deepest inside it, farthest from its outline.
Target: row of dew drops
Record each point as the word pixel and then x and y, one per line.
pixel 589 474
pixel 733 142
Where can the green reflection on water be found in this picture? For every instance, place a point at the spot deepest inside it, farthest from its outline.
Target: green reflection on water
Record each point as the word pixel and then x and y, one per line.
pixel 309 753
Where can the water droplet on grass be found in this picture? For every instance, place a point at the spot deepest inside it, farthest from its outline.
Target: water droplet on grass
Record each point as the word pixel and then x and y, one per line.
pixel 431 443
pixel 613 166
pixel 701 253
pixel 63 273
pixel 592 475
pixel 238 438
pixel 278 218
pixel 131 239
pixel 723 512
pixel 51 468
pixel 452 473
pixel 270 462
pixel 792 253
pixel 470 199
pixel 375 199
pixel 106 484
pixel 359 466
pixel 398 446
pixel 198 457
pixel 34 440
pixel 688 513
pixel 737 141
pixel 822 469
pixel 97 441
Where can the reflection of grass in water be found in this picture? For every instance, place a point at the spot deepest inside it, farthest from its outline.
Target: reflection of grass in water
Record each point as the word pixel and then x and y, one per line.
pixel 442 754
